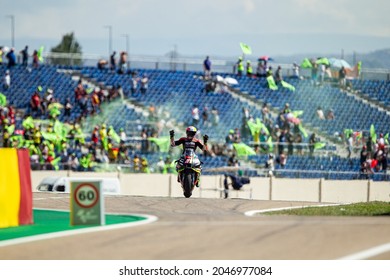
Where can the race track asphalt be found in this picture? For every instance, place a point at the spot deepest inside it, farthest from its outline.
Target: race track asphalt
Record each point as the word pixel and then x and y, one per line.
pixel 207 229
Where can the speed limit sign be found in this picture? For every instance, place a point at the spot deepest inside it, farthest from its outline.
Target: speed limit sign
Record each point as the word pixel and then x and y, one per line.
pixel 87 203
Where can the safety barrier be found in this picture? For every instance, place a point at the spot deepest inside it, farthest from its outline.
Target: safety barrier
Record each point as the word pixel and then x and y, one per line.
pixel 259 188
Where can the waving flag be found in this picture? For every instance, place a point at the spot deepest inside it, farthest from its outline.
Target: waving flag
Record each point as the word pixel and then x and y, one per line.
pixel 288 86
pixel 40 51
pixel 306 63
pixel 163 143
pixel 373 133
pixel 245 48
pixel 243 149
pixel 319 145
pixel 3 99
pixel 271 83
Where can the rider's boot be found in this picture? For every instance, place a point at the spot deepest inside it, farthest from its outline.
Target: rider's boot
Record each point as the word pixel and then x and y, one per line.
pixel 198 181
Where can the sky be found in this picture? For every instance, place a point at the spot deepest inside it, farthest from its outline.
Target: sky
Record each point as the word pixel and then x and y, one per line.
pixel 201 27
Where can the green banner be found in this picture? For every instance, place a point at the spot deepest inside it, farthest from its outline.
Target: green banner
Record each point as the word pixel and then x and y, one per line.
pixel 245 48
pixel 306 63
pixel 163 143
pixel 3 99
pixel 288 86
pixel 243 149
pixel 271 83
pixel 373 133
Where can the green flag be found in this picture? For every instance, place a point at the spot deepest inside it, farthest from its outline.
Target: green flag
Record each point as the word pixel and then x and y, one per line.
pixel 288 86
pixel 270 144
pixel 271 83
pixel 387 138
pixel 306 63
pixel 297 113
pixel 319 145
pixel 28 123
pixel 245 48
pixel 253 127
pixel 52 137
pixel 347 132
pixel 302 130
pixel 163 143
pixel 111 132
pixel 373 133
pixel 323 60
pixel 3 99
pixel 40 51
pixel 243 149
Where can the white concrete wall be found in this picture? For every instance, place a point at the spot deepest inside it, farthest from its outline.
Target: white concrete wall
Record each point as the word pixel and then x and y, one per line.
pixel 344 191
pixel 311 190
pixel 380 191
pixel 295 190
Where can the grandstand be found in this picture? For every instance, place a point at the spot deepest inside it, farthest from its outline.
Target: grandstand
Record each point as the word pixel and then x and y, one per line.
pixel 174 93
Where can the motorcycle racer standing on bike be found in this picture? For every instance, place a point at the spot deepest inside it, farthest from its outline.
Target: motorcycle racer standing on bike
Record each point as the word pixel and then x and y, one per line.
pixel 189 143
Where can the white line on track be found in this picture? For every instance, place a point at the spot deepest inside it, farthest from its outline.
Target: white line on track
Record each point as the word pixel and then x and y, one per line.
pixel 254 212
pixel 366 254
pixel 149 219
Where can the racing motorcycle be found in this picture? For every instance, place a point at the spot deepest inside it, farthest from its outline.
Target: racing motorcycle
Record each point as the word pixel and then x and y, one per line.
pixel 189 169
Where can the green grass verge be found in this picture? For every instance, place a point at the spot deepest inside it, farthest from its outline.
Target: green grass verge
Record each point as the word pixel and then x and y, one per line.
pixel 356 209
pixel 47 221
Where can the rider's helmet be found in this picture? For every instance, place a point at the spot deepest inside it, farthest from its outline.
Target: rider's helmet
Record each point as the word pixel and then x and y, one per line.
pixel 191 131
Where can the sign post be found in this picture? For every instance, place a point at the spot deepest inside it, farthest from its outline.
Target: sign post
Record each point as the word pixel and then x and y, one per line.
pixel 87 203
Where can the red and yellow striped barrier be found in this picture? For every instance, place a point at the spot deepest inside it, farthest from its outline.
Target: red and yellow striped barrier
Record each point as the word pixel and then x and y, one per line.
pixel 15 188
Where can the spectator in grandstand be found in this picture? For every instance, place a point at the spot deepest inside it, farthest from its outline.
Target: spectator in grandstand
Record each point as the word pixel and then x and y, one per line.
pixel 282 160
pixel 214 116
pixel 68 109
pixel 35 61
pixel 312 141
pixel 113 61
pixel 123 63
pixel 11 58
pixel 239 66
pixel 229 140
pixel 24 54
pixel 134 83
pixel 261 68
pixel 342 77
pixel 350 145
pixel 7 80
pixel 79 91
pixel 314 72
pixel 270 164
pixel 278 75
pixel 249 69
pixel 363 154
pixel 233 161
pixel 195 115
pixel 320 113
pixel 102 64
pixel 330 115
pixel 73 162
pixel 136 164
pixel 205 117
pixel 322 70
pixel 144 83
pixel 160 166
pixel 122 135
pixel 207 67
pixel 295 69
pixel 35 103
pixel 1 55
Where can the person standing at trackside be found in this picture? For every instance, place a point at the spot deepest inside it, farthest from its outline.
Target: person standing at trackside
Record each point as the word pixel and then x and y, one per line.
pixel 240 66
pixel 11 58
pixel 189 143
pixel 207 67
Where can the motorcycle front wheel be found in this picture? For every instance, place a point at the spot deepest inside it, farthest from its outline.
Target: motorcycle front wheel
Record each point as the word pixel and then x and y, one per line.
pixel 187 185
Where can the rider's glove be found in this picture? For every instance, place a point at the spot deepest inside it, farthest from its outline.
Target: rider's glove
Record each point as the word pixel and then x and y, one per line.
pixel 205 138
pixel 172 133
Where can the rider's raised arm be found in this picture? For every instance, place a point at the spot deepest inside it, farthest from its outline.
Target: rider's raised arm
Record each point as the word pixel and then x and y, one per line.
pixel 205 147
